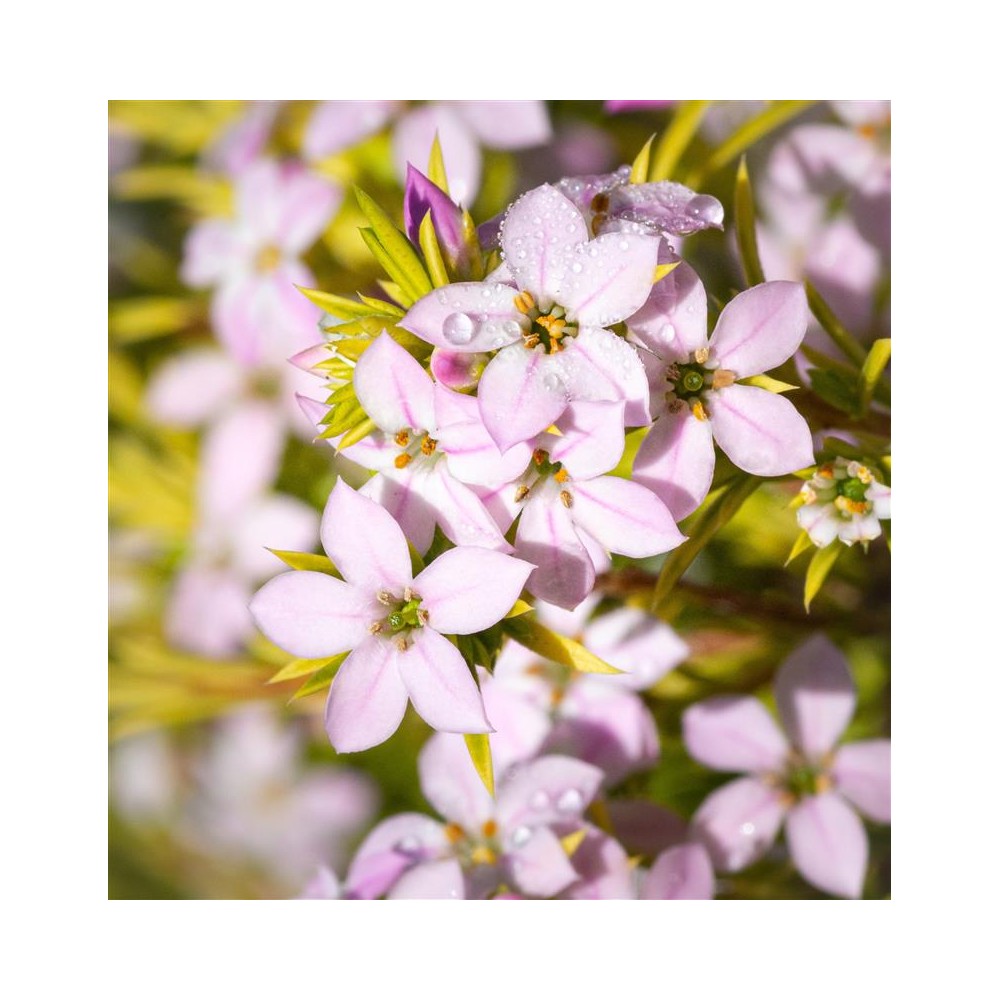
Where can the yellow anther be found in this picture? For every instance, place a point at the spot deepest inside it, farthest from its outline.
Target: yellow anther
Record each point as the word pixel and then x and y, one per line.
pixel 722 377
pixel 524 302
pixel 402 644
pixel 402 438
pixel 483 856
pixel 454 833
pixel 268 258
pixel 699 410
pixel 826 471
pixel 520 493
pixel 489 828
pixel 566 497
pixel 561 476
pixel 531 342
pixel 402 461
pixel 555 346
pixel 539 455
pixel 427 445
pixel 867 131
pixel 701 355
pixel 823 783
pixel 557 696
pixel 848 506
pixel 860 471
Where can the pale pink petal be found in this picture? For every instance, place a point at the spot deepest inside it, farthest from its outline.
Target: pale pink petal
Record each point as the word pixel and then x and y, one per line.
pixel 862 775
pixel 440 685
pixel 845 268
pixel 820 521
pixel 274 522
pixel 323 885
pixel 468 589
pixel 545 538
pixel 673 322
pixel 644 827
pixel 815 695
pixel 207 612
pixel 568 622
pixel 450 782
pixel 760 328
pixel 377 452
pixel 211 251
pixel 468 317
pixel 401 493
pixel 676 460
pixel 683 872
pixel 392 847
pixel 521 725
pixel 538 866
pixel 598 365
pixel 313 614
pixel 603 868
pixel 307 203
pixel 734 733
pixel 606 280
pixel 818 159
pixel 461 514
pixel 236 309
pixel 540 229
pixel 430 880
pixel 548 790
pixel 337 125
pixel 643 646
pixel 414 135
pixel 738 823
pixel 367 698
pixel 828 844
pixel 455 370
pixel 364 542
pixel 598 554
pixel 593 438
pixel 520 394
pixel 507 124
pixel 192 387
pixel 760 431
pixel 624 516
pixel 395 391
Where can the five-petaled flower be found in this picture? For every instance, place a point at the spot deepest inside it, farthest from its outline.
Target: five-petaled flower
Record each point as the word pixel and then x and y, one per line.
pixel 843 500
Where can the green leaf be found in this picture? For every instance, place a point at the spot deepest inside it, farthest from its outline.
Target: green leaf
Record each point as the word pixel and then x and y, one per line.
pixel 382 307
pixel 837 389
pixel 746 226
pixel 662 270
pixel 432 251
pixel 320 680
pixel 306 560
pixel 406 269
pixel 556 647
pixel 298 668
pixel 520 608
pixel 819 569
pixel 871 370
pixel 718 514
pixel 435 165
pixel 802 543
pixel 837 331
pixel 344 308
pixel 358 433
pixel 482 758
pixel 683 128
pixel 142 318
pixel 766 382
pixel 640 165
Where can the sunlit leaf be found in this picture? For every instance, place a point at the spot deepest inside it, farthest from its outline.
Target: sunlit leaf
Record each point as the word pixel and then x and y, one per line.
pixel 819 569
pixel 142 318
pixel 432 252
pixel 682 129
pixel 404 266
pixel 320 680
pixel 871 370
pixel 802 543
pixel 746 226
pixel 766 382
pixel 520 608
pixel 556 647
pixel 482 758
pixel 306 560
pixel 435 165
pixel 298 668
pixel 640 165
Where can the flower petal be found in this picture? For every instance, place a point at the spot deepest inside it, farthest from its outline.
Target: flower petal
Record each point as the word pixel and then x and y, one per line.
pixel 422 195
pixel 665 207
pixel 337 125
pixel 364 542
pixel 430 880
pixel 276 522
pixel 462 515
pixel 211 251
pixel 402 493
pixel 367 698
pixel 676 461
pixel 683 872
pixel 539 866
pixel 467 317
pixel 593 438
pixel 760 328
pixel 414 135
pixel 738 823
pixel 645 647
pixel 863 776
pixel 603 868
pixel 313 614
pixel 828 844
pixel 624 517
pixel 393 388
pixel 192 387
pixel 547 790
pixel 733 733
pixel 392 847
pixel 468 589
pixel 760 431
pixel 673 321
pixel 440 685
pixel 815 695
pixel 450 782
pixel 507 124
pixel 207 612
pixel 599 365
pixel 521 725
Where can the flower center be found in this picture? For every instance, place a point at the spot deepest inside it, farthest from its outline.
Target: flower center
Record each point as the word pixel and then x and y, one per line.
pixel 412 444
pixel 474 849
pixel 544 468
pixel 268 258
pixel 547 330
pixel 843 484
pixel 802 777
pixel 404 614
pixel 686 381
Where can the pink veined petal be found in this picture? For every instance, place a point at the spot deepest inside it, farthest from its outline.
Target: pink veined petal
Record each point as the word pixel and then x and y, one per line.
pixel 507 124
pixel 547 790
pixel 520 394
pixel 450 782
pixel 377 452
pixel 440 685
pixel 468 317
pixel 405 496
pixel 274 522
pixel 820 521
pixel 828 844
pixel 211 251
pixel 393 846
pixel 603 868
pixel 468 589
pixel 393 388
pixel 733 733
pixel 598 554
pixel 624 516
pixel 545 538
pixel 598 365
pixel 606 280
pixel 412 139
pixel 462 515
pixel 367 698
pixel 430 880
pixel 862 775
pixel 683 872
pixel 313 614
pixel 192 387
pixel 593 438
pixel 738 823
pixel 540 229
pixel 207 612
pixel 521 725
pixel 455 370
pixel 235 310
pixel 676 461
pixel 539 866
pixel 306 204
pixel 364 542
pixel 760 431
pixel 673 321
pixel 643 646
pixel 337 125
pixel 644 827
pixel 760 328
pixel 815 695
pixel 571 623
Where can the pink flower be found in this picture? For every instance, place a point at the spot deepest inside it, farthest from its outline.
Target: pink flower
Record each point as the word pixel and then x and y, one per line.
pixel 804 781
pixel 843 500
pixel 486 843
pixel 394 624
pixel 695 390
pixel 548 331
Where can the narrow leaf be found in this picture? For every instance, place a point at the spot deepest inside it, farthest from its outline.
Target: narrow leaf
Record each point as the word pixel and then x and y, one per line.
pixel 802 543
pixel 482 758
pixel 871 370
pixel 320 680
pixel 410 273
pixel 662 270
pixel 306 560
pixel 766 382
pixel 432 252
pixel 819 569
pixel 358 433
pixel 837 331
pixel 640 165
pixel 344 308
pixel 746 226
pixel 572 841
pixel 677 138
pixel 141 318
pixel 520 608
pixel 556 647
pixel 435 166
pixel 298 668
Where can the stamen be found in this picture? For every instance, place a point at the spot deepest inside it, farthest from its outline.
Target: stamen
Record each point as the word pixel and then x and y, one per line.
pixel 561 476
pixel 427 445
pixel 532 342
pixel 403 644
pixel 403 438
pixel 408 594
pixel 520 493
pixel 722 377
pixel 701 355
pixel 489 828
pixel 524 302
pixel 675 405
pixel 375 628
pixel 453 833
pixel 699 410
pixel 847 506
pixel 384 597
pixel 483 856
pixel 822 783
pixel 539 455
pixel 402 461
pixel 423 616
pixel 566 497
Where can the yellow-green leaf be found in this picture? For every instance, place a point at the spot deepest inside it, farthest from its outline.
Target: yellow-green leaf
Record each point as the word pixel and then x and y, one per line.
pixel 432 251
pixel 556 647
pixel 746 226
pixel 306 560
pixel 871 370
pixel 357 433
pixel 802 543
pixel 677 138
pixel 482 758
pixel 407 271
pixel 766 382
pixel 572 841
pixel 837 331
pixel 435 165
pixel 298 668
pixel 320 680
pixel 640 165
pixel 142 318
pixel 344 308
pixel 520 608
pixel 819 569
pixel 662 270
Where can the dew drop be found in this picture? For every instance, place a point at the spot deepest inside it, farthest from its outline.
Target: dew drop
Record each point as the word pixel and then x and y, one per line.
pixel 512 328
pixel 707 208
pixel 668 332
pixel 570 801
pixel 408 845
pixel 623 246
pixel 458 328
pixel 747 829
pixel 520 836
pixel 552 382
pixel 576 267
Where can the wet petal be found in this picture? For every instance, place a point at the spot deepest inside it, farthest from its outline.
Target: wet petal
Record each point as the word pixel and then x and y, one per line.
pixel 414 135
pixel 683 872
pixel 468 317
pixel 548 790
pixel 863 776
pixel 673 322
pixel 598 365
pixel 192 387
pixel 666 207
pixel 431 880
pixel 450 782
pixel 593 438
pixel 738 823
pixel 733 733
pixel 828 844
pixel 815 695
pixel 367 698
pixel 539 866
pixel 463 517
pixel 392 847
pixel 393 388
pixel 760 431
pixel 760 328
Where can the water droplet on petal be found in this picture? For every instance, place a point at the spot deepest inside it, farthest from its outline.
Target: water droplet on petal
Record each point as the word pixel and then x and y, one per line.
pixel 553 382
pixel 668 332
pixel 747 829
pixel 458 329
pixel 408 845
pixel 512 328
pixel 570 801
pixel 520 836
pixel 623 246
pixel 576 267
pixel 705 207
